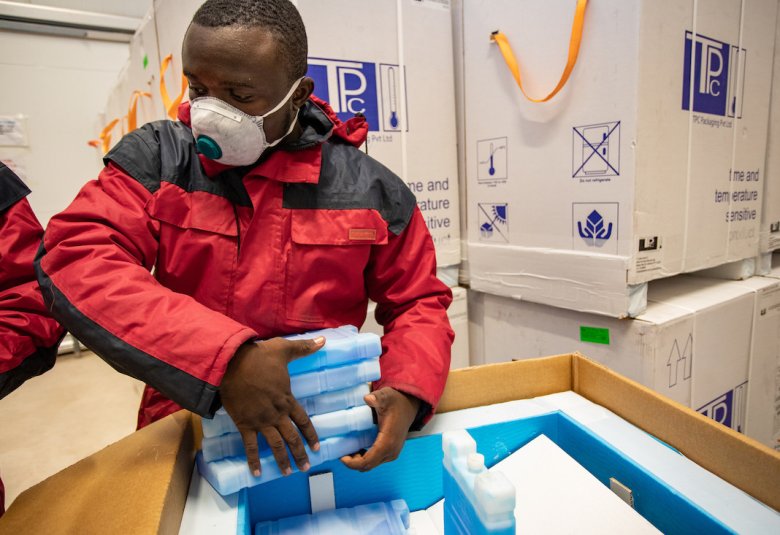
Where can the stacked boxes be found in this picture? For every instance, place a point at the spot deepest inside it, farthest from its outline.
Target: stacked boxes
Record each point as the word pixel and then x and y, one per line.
pixel 649 163
pixel 702 342
pixel 770 215
pixel 329 384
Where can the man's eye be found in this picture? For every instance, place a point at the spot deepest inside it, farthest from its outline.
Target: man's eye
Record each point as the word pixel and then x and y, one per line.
pixel 198 91
pixel 240 97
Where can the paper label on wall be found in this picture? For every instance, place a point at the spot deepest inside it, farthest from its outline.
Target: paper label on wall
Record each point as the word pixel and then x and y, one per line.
pixel 13 131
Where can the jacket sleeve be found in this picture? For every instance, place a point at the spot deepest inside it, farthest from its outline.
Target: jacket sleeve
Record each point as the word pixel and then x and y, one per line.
pixel 94 270
pixel 412 306
pixel 29 336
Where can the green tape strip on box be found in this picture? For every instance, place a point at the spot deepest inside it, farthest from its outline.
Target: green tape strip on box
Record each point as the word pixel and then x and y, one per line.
pixel 594 335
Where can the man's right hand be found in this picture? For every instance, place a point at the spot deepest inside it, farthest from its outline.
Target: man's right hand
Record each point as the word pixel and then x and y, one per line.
pixel 255 392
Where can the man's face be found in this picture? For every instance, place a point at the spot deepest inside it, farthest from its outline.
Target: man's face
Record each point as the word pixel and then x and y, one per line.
pixel 241 66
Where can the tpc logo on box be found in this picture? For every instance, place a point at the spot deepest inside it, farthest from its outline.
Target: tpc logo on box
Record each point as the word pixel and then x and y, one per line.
pixel 713 75
pixel 351 87
pixel 729 408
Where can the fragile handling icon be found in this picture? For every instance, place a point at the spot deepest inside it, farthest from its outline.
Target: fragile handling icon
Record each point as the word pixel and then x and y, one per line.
pixel 596 150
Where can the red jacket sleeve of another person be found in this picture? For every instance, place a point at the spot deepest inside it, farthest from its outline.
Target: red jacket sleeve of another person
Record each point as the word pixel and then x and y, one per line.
pixel 94 270
pixel 28 335
pixel 412 306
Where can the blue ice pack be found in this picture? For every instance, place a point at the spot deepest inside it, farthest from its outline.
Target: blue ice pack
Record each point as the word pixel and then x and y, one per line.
pixel 343 345
pixel 384 518
pixel 232 474
pixel 330 379
pixel 476 501
pixel 327 425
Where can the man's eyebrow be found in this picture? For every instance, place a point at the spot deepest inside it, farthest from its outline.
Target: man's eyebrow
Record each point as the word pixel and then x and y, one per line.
pixel 229 83
pixel 236 83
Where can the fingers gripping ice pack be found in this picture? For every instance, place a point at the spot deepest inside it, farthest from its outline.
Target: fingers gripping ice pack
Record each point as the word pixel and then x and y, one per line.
pixel 330 385
pixel 328 425
pixel 231 474
pixel 324 403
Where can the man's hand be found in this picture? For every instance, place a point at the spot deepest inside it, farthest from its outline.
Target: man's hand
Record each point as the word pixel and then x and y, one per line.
pixel 396 412
pixel 256 394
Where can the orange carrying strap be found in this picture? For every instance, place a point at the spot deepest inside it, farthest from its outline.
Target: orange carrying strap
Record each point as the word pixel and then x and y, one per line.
pixel 171 106
pixel 132 110
pixel 574 48
pixel 104 138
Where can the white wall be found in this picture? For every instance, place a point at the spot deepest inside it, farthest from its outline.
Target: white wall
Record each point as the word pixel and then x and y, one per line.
pixel 60 85
pixel 125 8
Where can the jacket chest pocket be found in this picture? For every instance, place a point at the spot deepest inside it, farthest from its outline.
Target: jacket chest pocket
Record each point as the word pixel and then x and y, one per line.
pixel 198 250
pixel 328 253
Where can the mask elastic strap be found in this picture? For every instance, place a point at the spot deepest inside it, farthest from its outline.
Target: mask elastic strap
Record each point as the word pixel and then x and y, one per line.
pixel 292 125
pixel 286 97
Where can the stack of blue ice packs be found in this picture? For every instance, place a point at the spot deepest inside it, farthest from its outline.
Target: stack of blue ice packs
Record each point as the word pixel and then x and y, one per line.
pixel 330 385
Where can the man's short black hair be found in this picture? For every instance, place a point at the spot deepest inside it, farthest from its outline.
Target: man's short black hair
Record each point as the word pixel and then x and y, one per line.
pixel 277 16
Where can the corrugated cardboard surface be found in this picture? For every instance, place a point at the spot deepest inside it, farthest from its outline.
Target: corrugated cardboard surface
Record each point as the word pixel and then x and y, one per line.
pixel 139 484
pixel 742 461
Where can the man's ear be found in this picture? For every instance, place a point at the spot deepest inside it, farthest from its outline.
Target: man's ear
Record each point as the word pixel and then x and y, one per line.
pixel 304 91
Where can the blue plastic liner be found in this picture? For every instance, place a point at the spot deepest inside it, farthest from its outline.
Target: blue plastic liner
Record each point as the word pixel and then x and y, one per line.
pixel 416 477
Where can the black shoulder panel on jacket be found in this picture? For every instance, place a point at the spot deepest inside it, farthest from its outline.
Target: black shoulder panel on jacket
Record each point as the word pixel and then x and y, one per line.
pixel 12 189
pixel 164 151
pixel 350 179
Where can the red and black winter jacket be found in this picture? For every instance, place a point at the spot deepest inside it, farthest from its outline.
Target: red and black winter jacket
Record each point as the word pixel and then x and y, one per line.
pixel 299 241
pixel 29 336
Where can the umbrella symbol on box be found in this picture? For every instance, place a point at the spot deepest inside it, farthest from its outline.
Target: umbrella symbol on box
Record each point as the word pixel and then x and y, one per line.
pixel 594 229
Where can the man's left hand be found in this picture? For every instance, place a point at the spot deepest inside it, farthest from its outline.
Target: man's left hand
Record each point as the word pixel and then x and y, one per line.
pixel 395 412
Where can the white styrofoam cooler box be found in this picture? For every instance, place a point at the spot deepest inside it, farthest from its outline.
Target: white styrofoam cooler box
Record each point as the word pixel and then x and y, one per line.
pixel 693 344
pixel 770 215
pixel 649 162
pixel 459 320
pixel 394 65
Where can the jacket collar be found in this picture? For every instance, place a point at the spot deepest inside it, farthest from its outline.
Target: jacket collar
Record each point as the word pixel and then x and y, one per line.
pixel 299 162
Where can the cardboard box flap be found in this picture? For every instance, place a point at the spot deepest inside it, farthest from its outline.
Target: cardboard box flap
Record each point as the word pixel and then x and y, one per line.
pixel 136 485
pixel 742 461
pixel 507 381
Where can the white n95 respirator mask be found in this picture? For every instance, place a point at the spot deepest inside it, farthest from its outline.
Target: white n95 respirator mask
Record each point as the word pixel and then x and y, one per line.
pixel 227 135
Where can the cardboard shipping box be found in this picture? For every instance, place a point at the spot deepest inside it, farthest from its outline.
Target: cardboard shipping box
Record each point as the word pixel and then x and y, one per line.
pixel 770 214
pixel 139 484
pixel 649 163
pixel 700 342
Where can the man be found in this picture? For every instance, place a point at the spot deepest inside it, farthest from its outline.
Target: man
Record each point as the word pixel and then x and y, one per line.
pixel 261 218
pixel 28 335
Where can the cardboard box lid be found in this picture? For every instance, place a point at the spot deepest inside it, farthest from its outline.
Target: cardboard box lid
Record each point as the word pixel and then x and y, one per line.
pixel 139 484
